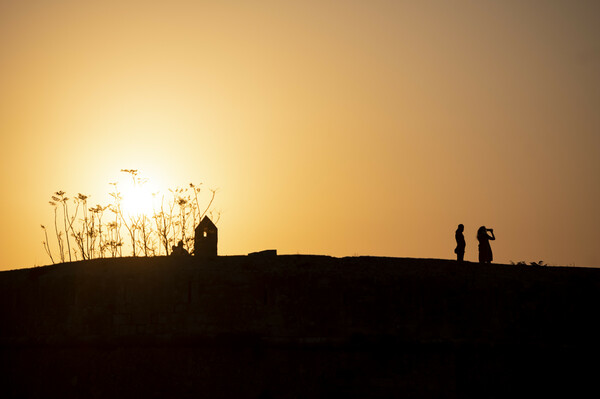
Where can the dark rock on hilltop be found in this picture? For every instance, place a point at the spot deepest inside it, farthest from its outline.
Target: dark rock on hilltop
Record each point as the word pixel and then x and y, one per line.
pixel 296 326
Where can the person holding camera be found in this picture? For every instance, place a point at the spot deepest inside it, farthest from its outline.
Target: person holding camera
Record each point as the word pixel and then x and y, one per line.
pixel 485 250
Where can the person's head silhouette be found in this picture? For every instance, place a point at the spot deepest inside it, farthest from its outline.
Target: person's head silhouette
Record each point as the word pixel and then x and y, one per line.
pixel 481 231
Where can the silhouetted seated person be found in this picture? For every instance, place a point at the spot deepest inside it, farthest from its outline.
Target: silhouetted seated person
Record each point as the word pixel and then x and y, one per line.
pixel 485 250
pixel 460 243
pixel 179 250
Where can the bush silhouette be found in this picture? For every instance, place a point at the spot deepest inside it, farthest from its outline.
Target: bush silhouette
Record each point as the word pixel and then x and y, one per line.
pixel 98 235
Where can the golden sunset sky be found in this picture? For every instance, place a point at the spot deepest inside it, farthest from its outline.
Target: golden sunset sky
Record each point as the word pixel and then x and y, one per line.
pixel 329 127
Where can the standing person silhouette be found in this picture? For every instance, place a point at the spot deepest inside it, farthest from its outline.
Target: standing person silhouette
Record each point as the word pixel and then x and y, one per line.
pixel 460 243
pixel 485 250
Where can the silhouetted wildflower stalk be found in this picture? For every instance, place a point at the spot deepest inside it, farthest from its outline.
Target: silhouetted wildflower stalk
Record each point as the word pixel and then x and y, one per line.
pixel 132 226
pixel 82 235
pixel 61 251
pixel 63 200
pixel 96 233
pixel 46 244
pixel 116 243
pixel 96 238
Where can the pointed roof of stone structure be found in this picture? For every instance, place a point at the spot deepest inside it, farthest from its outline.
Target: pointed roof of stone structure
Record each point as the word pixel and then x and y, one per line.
pixel 206 223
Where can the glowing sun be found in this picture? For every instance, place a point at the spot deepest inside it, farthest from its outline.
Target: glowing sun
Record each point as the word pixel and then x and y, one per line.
pixel 137 199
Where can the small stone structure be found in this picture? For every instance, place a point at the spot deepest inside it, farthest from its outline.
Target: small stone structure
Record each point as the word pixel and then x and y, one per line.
pixel 206 237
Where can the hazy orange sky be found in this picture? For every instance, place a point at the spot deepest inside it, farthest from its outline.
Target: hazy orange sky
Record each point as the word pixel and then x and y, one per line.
pixel 329 127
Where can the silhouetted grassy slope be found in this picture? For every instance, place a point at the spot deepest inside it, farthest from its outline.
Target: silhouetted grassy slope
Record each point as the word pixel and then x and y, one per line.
pixel 300 297
pixel 297 326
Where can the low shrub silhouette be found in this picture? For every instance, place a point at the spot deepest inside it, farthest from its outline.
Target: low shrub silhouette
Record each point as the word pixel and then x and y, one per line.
pixel 100 230
pixel 523 263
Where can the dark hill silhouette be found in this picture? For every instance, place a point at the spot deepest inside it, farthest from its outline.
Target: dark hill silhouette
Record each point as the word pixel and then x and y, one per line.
pixel 296 326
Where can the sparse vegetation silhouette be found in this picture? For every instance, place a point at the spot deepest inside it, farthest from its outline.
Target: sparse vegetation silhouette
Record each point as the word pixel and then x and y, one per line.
pixel 523 263
pixel 148 234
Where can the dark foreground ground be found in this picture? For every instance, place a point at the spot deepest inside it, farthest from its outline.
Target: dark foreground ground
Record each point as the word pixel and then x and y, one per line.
pixel 297 327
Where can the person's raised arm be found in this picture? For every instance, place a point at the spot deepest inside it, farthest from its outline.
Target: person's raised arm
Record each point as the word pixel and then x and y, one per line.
pixel 492 237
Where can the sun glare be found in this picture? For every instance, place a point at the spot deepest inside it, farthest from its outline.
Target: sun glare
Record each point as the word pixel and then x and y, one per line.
pixel 137 200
